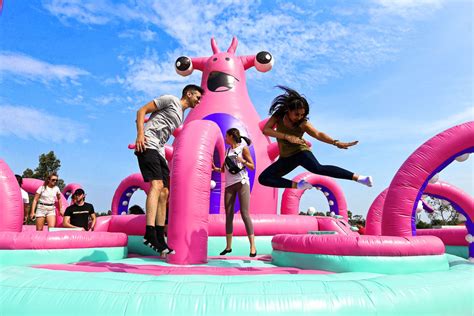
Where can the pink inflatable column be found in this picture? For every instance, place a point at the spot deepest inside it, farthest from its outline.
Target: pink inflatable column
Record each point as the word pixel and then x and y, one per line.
pixel 190 191
pixel 11 203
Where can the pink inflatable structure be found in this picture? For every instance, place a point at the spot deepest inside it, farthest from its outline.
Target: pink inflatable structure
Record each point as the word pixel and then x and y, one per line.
pixel 225 104
pixel 332 191
pixel 11 219
pixel 461 201
pixel 124 192
pixel 70 189
pixel 412 179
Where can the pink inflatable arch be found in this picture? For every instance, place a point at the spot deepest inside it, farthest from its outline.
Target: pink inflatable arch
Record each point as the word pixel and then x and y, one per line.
pixel 461 201
pixel 413 176
pixel 124 192
pixel 31 185
pixel 290 200
pixel 70 189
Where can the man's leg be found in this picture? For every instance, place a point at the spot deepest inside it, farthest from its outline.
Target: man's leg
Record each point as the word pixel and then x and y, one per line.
pixel 161 213
pixel 152 199
pixel 160 219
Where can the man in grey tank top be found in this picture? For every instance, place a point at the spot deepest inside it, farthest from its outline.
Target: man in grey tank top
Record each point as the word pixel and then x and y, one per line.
pixel 166 115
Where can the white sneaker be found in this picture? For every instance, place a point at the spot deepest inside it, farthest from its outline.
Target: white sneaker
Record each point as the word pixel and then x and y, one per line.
pixel 304 185
pixel 366 180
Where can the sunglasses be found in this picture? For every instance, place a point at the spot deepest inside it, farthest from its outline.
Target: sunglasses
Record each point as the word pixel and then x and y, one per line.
pixel 53 180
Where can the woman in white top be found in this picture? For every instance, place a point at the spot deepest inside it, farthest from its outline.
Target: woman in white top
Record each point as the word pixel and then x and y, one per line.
pixel 44 200
pixel 238 158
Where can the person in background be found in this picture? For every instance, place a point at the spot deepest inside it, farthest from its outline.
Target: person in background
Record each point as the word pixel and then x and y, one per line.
pixel 43 202
pixel 24 197
pixel 79 213
pixel 135 210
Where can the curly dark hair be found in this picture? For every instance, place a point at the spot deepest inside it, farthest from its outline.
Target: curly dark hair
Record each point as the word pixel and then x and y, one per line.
pixel 288 101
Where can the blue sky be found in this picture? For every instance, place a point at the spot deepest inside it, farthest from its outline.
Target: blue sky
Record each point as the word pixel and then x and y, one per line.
pixel 390 74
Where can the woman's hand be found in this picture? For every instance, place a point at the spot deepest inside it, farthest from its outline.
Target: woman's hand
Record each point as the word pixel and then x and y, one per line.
pixel 294 140
pixel 241 159
pixel 32 215
pixel 343 145
pixel 214 168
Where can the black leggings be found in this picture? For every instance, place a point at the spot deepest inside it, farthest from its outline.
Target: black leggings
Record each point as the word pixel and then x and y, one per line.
pixel 273 175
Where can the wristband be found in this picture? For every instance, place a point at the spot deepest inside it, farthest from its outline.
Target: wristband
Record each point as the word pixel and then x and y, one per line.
pixel 334 142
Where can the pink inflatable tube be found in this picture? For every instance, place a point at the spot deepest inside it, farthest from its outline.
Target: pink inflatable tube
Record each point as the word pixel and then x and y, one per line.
pixel 70 189
pixel 190 190
pixel 462 202
pixel 31 185
pixel 450 236
pixel 124 192
pixel 290 200
pixel 264 224
pixel 412 177
pixel 359 246
pixel 60 240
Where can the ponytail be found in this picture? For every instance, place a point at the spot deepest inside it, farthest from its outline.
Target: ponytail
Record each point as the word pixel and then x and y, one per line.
pixel 235 134
pixel 247 140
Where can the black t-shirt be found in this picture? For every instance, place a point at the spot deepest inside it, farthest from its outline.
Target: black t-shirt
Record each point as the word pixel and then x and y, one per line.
pixel 80 214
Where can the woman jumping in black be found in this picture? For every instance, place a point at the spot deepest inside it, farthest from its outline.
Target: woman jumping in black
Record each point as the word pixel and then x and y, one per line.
pixel 289 112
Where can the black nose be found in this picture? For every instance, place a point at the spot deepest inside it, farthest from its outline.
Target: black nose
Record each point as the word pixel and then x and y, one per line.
pixel 264 57
pixel 183 63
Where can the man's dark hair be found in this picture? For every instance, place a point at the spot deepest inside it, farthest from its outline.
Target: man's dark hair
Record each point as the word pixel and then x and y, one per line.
pixel 136 210
pixel 19 179
pixel 191 88
pixel 78 192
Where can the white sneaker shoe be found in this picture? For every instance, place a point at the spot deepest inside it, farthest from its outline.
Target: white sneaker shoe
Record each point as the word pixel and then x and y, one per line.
pixel 366 180
pixel 304 185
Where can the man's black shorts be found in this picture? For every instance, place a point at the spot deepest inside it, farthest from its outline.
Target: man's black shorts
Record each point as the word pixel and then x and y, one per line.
pixel 153 166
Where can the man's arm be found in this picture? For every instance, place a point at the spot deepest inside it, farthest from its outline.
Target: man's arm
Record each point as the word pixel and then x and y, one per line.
pixel 144 110
pixel 93 217
pixel 67 222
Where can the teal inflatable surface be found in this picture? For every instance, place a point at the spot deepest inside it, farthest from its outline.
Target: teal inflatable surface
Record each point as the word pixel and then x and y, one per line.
pixel 33 291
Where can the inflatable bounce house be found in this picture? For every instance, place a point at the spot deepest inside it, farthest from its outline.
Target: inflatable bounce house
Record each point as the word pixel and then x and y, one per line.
pixel 306 264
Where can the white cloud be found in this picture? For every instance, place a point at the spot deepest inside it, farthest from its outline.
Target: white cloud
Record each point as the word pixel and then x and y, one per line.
pixel 30 123
pixel 308 43
pixel 26 67
pixel 409 9
pixel 152 75
pixel 145 35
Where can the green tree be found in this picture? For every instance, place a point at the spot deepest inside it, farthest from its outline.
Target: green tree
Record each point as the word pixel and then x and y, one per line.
pixel 443 214
pixel 47 164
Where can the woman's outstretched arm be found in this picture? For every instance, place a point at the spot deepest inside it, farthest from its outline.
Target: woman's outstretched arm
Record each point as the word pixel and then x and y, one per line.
pixel 325 138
